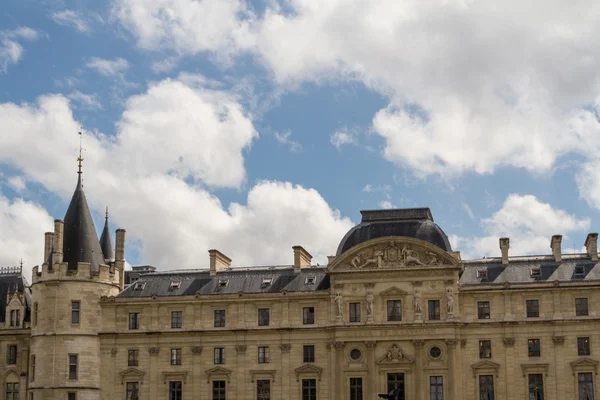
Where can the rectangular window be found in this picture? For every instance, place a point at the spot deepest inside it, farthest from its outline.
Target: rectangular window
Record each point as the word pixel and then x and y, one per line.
pixel 71 395
pixel 485 349
pixel 175 356
pixel 35 313
pixel 263 317
pixel 175 390
pixel 132 358
pixel 309 389
pixel 583 346
pixel 309 353
pixel 263 390
pixel 12 391
pixel 263 355
pixel 132 391
pixel 581 306
pixel 533 347
pixel 433 310
pixel 308 315
pixel 356 389
pixel 134 320
pixel 354 312
pixel 176 319
pixel 394 310
pixel 483 310
pixel 11 355
pixel 75 307
pixel 395 385
pixel 486 387
pixel 219 390
pixel 436 388
pixel 585 386
pixel 32 368
pixel 219 318
pixel 18 312
pixel 15 318
pixel 73 359
pixel 536 387
pixel 219 355
pixel 533 308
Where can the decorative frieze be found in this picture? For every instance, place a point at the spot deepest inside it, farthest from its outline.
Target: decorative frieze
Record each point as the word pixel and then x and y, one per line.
pixel 509 341
pixel 240 348
pixel 558 339
pixel 285 347
pixel 197 350
pixel 153 351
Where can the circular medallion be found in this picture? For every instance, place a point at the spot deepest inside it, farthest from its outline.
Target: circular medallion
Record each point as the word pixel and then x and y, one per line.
pixel 435 352
pixel 355 354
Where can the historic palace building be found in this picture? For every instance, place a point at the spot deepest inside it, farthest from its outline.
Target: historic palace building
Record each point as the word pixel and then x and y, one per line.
pixel 396 310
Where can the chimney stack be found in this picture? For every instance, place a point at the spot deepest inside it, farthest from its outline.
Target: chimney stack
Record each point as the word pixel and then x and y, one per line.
pixel 302 258
pixel 48 239
pixel 218 262
pixel 555 246
pixel 591 245
pixel 57 239
pixel 504 246
pixel 120 245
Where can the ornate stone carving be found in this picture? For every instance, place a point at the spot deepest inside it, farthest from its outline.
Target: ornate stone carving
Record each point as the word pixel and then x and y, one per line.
pixel 394 255
pixel 509 341
pixel 285 347
pixel 449 301
pixel 370 300
pixel 451 342
pixel 419 343
pixel 338 345
pixel 153 351
pixel 558 339
pixel 370 344
pixel 463 343
pixel 395 354
pixel 113 352
pixel 240 348
pixel 197 350
pixel 339 305
pixel 417 302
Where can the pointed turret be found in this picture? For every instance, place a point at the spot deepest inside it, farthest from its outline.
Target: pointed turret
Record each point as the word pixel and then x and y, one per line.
pixel 106 242
pixel 80 238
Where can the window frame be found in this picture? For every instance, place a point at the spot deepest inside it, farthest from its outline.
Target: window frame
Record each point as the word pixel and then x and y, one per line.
pixel 176 319
pixel 73 366
pixel 13 393
pixel 133 359
pixel 264 316
pixel 175 390
pixel 584 384
pixel 436 382
pixel 485 349
pixel 32 364
pixel 11 354
pixel 134 320
pixel 308 389
pixel 263 354
pixel 219 393
pixel 534 311
pixel 583 346
pixel 579 310
pixel 532 379
pixel 436 313
pixel 308 348
pixel 534 345
pixel 391 316
pixel 486 382
pixel 356 387
pixel 131 388
pixel 75 312
pixel 309 315
pixel 484 309
pixel 219 355
pixel 266 389
pixel 71 395
pixel 220 318
pixel 354 312
pixel 176 356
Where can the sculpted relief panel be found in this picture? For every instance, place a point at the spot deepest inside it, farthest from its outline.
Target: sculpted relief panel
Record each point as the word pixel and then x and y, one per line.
pixel 395 255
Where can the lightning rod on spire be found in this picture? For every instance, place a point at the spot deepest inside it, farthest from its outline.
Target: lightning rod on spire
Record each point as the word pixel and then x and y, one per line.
pixel 80 158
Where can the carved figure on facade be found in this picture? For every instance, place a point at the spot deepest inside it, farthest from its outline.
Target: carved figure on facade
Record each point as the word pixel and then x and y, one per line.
pixel 339 305
pixel 395 354
pixel 394 255
pixel 370 300
pixel 417 302
pixel 449 301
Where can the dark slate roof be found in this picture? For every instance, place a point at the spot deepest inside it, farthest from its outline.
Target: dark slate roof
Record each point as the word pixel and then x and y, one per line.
pixel 80 238
pixel 9 283
pixel 106 242
pixel 240 280
pixel 574 267
pixel 410 222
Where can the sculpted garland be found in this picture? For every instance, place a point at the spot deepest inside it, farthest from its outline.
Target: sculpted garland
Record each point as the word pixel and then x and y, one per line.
pixel 394 255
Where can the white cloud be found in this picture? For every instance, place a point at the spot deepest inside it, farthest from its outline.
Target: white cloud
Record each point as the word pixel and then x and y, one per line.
pixel 85 100
pixel 340 138
pixel 386 205
pixel 17 183
pixel 110 68
pixel 11 51
pixel 286 139
pixel 528 222
pixel 72 19
pixel 368 188
pixel 468 210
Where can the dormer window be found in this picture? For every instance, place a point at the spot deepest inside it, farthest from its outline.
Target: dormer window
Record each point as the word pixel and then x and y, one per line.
pixel 579 270
pixel 310 280
pixel 175 284
pixel 15 318
pixel 266 282
pixel 139 285
pixel 482 274
pixel 223 283
pixel 535 272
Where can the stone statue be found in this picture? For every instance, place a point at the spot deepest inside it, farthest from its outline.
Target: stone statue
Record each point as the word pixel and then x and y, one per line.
pixel 410 257
pixel 339 302
pixel 417 302
pixel 449 301
pixel 369 303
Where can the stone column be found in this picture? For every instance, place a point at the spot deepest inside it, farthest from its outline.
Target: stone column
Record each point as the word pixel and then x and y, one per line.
pixel 419 385
pixel 453 374
pixel 557 314
pixel 240 367
pixel 338 385
pixel 510 375
pixel 285 378
pixel 508 316
pixel 371 392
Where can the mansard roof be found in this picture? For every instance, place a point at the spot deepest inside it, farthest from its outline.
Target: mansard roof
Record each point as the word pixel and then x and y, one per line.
pixel 11 280
pixel 238 280
pixel 80 242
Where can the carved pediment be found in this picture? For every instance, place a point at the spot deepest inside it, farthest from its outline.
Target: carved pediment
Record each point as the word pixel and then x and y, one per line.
pixel 392 252
pixel 132 373
pixel 585 364
pixel 262 373
pixel 393 291
pixel 308 369
pixel 535 368
pixel 485 366
pixel 395 355
pixel 175 376
pixel 219 372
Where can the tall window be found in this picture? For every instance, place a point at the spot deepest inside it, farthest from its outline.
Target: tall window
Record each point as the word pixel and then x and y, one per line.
pixel 356 389
pixel 175 390
pixel 176 319
pixel 309 353
pixel 132 391
pixel 134 320
pixel 485 349
pixel 15 318
pixel 263 317
pixel 533 308
pixel 73 360
pixel 308 315
pixel 12 391
pixel 75 307
pixel 483 310
pixel 585 386
pixel 433 310
pixel 533 347
pixel 219 355
pixel 486 387
pixel 436 388
pixel 71 395
pixel 354 312
pixel 394 310
pixel 583 346
pixel 132 358
pixel 175 356
pixel 219 390
pixel 263 355
pixel 536 387
pixel 263 390
pixel 395 386
pixel 32 377
pixel 581 306
pixel 309 389
pixel 35 313
pixel 11 355
pixel 219 318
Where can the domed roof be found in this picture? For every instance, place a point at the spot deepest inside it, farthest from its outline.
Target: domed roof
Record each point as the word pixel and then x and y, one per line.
pixel 410 222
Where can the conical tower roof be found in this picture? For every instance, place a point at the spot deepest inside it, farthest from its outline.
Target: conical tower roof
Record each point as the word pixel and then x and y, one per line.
pixel 106 242
pixel 80 242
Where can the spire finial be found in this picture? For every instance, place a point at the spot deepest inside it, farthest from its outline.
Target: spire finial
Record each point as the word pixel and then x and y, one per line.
pixel 80 158
pixel 21 263
pixel 107 212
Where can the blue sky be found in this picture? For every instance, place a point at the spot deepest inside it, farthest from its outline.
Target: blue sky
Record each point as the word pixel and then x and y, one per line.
pixel 255 126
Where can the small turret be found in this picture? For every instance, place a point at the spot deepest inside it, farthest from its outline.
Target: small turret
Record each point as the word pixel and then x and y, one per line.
pixel 106 242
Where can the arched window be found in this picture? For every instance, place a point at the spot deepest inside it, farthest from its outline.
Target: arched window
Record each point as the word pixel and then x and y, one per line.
pixel 11 387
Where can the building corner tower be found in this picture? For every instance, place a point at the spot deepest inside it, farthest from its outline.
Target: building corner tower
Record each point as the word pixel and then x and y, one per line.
pixel 65 359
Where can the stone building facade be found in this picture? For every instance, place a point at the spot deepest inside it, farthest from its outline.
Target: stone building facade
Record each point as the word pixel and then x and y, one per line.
pixel 396 310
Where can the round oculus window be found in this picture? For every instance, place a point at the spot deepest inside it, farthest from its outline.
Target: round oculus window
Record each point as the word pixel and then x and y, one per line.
pixel 355 354
pixel 435 352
